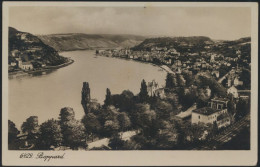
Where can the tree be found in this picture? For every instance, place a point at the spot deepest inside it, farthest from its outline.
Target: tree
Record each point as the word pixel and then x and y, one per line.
pixel 50 134
pixel 246 78
pixel 74 134
pixel 231 106
pixel 66 114
pixel 180 80
pixel 92 124
pixel 242 109
pixel 30 126
pixel 163 109
pixel 73 131
pixel 85 97
pixel 145 119
pixel 143 95
pixel 168 137
pixel 108 113
pixel 116 143
pixel 12 133
pixel 189 78
pixel 108 100
pixel 124 121
pixel 111 127
pixel 169 81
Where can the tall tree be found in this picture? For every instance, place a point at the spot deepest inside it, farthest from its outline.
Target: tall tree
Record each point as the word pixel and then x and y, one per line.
pixel 85 97
pixel 50 134
pixel 169 81
pixel 108 100
pixel 143 95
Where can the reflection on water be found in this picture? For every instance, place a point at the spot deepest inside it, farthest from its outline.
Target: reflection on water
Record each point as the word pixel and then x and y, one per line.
pixel 44 95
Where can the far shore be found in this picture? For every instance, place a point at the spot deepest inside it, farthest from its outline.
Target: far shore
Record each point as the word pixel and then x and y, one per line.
pixel 45 69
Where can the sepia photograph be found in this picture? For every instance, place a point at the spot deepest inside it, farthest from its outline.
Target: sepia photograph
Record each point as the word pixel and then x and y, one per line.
pixel 90 78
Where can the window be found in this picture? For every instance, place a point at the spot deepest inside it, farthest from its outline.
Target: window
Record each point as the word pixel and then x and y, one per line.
pixel 199 117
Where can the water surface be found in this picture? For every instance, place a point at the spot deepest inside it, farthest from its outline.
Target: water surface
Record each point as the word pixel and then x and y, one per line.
pixel 45 95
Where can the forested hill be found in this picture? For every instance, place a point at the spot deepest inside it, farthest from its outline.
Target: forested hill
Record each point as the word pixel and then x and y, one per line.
pixel 178 43
pixel 29 47
pixel 79 41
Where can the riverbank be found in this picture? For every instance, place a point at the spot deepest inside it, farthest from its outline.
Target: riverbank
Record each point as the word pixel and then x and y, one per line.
pixel 42 70
pixel 163 67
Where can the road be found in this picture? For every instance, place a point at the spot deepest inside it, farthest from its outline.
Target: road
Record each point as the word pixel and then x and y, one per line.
pixel 222 78
pixel 105 141
pixel 226 135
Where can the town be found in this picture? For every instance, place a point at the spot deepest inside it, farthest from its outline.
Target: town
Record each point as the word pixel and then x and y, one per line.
pixel 204 105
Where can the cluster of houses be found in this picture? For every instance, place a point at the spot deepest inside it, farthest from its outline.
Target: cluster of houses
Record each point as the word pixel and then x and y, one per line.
pixel 176 61
pixel 16 62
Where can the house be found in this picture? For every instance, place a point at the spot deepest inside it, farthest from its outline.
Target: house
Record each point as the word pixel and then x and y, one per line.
pixel 209 115
pixel 13 64
pixel 237 82
pixel 233 90
pixel 217 112
pixel 14 53
pixel 152 87
pixel 25 65
pixel 218 103
pixel 206 115
pixel 216 73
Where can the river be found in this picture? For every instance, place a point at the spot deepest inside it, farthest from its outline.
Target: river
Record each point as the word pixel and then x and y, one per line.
pixel 45 95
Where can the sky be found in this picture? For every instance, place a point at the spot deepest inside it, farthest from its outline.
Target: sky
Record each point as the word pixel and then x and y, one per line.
pixel 227 23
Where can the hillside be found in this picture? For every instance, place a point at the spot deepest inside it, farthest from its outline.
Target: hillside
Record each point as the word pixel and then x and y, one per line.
pixel 30 48
pixel 181 44
pixel 79 41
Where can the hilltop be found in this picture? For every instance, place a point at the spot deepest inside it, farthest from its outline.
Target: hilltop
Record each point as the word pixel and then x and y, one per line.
pixel 80 41
pixel 29 48
pixel 181 44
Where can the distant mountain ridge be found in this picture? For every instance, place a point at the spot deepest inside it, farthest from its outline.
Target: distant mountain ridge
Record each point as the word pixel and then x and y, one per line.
pixel 186 44
pixel 80 41
pixel 173 41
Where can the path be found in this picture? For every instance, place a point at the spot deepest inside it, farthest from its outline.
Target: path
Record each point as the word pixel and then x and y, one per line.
pixel 105 141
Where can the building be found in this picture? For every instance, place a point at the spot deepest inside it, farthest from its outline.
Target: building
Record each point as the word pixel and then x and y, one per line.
pixel 216 73
pixel 233 90
pixel 218 103
pixel 237 82
pixel 216 113
pixel 152 87
pixel 26 66
pixel 13 64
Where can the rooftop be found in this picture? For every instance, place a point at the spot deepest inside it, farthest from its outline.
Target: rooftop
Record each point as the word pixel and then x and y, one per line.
pixel 26 63
pixel 205 111
pixel 219 99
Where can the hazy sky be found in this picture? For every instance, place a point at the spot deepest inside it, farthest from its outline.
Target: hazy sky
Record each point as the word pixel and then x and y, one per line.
pixel 217 23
